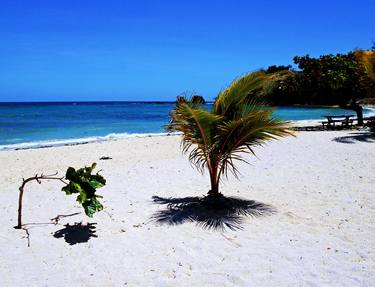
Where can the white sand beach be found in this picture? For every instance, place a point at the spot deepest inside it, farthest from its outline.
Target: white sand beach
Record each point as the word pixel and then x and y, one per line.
pixel 322 234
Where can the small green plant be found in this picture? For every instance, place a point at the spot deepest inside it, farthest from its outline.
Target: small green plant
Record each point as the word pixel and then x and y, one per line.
pixel 79 181
pixel 84 183
pixel 236 123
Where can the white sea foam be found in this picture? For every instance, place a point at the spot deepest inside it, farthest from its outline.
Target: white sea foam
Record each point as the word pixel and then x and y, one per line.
pixel 302 123
pixel 370 112
pixel 76 141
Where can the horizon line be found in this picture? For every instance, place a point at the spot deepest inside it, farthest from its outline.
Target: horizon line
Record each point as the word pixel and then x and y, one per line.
pixel 88 102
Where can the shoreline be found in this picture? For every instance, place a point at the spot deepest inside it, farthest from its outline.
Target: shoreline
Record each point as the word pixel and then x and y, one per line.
pixel 114 137
pixel 79 141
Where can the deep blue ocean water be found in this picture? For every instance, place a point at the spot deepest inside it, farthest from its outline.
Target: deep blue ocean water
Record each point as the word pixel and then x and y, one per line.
pixel 39 124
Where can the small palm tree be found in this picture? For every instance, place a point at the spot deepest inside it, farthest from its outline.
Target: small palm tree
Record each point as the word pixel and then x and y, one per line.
pixel 237 121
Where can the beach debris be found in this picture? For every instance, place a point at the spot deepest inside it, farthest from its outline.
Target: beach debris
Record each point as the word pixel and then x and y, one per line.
pixel 231 240
pixel 56 219
pixel 27 235
pixel 105 158
pixel 39 179
pixel 79 181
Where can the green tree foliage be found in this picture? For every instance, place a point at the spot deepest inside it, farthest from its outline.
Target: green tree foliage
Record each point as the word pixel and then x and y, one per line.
pixel 275 69
pixel 367 58
pixel 332 79
pixel 341 79
pixel 283 90
pixel 84 183
pixel 237 122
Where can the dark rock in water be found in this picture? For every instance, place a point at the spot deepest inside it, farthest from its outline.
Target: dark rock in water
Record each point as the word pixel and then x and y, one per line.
pixel 196 99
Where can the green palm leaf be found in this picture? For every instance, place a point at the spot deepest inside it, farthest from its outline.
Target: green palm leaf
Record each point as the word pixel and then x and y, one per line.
pixel 198 130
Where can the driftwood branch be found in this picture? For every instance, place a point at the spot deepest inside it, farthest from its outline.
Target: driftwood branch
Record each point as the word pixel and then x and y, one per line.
pixel 38 179
pixel 56 219
pixel 27 235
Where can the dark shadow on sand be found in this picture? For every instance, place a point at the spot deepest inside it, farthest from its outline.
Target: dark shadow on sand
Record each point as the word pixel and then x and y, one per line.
pixel 210 212
pixel 365 137
pixel 76 233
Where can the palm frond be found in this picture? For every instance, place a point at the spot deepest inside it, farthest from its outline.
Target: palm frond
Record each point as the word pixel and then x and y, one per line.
pixel 237 91
pixel 242 134
pixel 198 130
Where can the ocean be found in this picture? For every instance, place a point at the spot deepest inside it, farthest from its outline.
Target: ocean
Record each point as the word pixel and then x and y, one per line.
pixel 31 125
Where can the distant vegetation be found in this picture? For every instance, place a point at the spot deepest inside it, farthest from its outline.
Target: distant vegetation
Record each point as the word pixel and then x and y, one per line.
pixel 346 80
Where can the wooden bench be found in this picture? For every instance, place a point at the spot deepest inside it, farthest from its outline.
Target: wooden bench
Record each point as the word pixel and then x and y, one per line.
pixel 347 123
pixel 331 122
pixel 370 123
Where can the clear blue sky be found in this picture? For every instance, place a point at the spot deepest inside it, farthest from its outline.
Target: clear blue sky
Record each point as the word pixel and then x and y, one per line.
pixel 79 50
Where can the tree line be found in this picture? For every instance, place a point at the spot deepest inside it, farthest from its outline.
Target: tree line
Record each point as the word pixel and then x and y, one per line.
pixel 346 80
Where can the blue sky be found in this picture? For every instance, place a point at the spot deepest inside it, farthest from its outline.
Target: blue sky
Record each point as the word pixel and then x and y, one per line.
pixel 72 50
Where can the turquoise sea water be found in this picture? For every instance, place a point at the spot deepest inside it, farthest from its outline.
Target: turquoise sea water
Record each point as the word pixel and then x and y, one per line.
pixel 24 125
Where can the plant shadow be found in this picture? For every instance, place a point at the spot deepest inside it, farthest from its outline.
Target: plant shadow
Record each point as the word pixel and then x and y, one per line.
pixel 210 212
pixel 76 233
pixel 356 137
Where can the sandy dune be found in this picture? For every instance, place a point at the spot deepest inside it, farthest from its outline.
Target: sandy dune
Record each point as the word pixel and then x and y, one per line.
pixel 322 185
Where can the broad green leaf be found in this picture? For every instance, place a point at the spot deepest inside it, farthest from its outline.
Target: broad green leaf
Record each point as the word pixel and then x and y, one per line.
pixel 96 184
pixel 75 187
pixel 89 208
pixel 67 189
pixel 71 174
pixel 83 182
pixel 82 197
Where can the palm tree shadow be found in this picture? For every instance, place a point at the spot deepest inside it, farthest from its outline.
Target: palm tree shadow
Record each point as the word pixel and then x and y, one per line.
pixel 356 137
pixel 76 233
pixel 210 212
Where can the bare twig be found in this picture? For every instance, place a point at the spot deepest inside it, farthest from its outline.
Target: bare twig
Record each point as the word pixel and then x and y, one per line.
pixel 110 215
pixel 37 178
pixel 57 218
pixel 27 235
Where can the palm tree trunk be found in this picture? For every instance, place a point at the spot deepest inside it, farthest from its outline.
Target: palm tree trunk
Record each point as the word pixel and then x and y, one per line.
pixel 358 109
pixel 214 184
